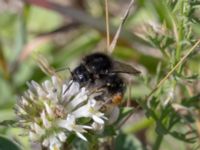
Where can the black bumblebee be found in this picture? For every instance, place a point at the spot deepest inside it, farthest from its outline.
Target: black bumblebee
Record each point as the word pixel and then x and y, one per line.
pixel 100 68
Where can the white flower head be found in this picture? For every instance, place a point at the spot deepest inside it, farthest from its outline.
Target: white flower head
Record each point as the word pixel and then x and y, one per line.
pixel 50 111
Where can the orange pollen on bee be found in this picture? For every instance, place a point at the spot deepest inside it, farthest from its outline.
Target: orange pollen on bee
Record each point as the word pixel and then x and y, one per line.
pixel 116 99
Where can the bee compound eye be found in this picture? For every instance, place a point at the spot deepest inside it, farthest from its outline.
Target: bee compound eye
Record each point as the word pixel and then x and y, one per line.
pixel 81 74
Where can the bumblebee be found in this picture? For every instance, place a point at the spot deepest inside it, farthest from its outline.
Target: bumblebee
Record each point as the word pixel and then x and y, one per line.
pixel 98 69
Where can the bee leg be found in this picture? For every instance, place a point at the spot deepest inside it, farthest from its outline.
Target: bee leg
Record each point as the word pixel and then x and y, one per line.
pixel 68 87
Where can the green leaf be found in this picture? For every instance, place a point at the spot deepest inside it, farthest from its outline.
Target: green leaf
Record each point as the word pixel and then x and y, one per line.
pixel 78 144
pixel 163 12
pixel 125 111
pixel 127 142
pixel 184 137
pixel 109 131
pixel 6 144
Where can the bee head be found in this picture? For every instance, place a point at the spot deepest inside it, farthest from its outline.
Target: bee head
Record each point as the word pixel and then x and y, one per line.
pixel 80 74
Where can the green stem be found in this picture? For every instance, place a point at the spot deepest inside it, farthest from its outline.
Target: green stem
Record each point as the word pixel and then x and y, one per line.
pixel 158 142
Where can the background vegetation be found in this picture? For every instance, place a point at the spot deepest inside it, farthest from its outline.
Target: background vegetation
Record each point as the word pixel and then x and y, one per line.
pixel 156 35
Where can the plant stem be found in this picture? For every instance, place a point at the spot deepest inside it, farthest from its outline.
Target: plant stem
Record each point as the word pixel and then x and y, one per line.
pixel 158 142
pixel 174 68
pixel 124 18
pixel 107 25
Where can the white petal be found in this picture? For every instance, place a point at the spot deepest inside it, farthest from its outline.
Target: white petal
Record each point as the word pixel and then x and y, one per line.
pixel 34 84
pixel 62 137
pixel 97 119
pixel 55 82
pixel 71 118
pixel 78 128
pixel 81 136
pixel 81 97
pixel 24 101
pixel 92 103
pixel 21 110
pixel 48 109
pixel 41 92
pixel 38 88
pixel 65 95
pixel 64 124
pixel 33 136
pixel 45 142
pixel 31 95
pixel 47 85
pixel 55 144
pixel 83 111
pixel 53 140
pixel 38 129
pixel 68 124
pixel 86 127
pixel 99 114
pixel 45 121
pixel 73 89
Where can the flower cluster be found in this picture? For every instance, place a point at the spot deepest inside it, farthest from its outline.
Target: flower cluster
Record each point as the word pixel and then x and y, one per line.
pixel 51 112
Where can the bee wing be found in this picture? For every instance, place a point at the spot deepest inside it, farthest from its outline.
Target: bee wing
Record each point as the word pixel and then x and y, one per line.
pixel 120 67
